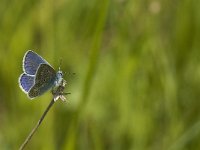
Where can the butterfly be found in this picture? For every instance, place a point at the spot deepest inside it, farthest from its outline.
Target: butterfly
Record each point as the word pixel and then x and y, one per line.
pixel 39 76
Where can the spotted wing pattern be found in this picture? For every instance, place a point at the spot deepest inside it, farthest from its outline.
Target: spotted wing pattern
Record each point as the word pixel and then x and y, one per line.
pixel 44 80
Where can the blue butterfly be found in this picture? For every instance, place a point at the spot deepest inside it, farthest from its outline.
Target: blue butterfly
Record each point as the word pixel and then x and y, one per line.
pixel 39 76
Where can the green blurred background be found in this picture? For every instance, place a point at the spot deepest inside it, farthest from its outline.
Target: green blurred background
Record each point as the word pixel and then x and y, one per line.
pixel 137 81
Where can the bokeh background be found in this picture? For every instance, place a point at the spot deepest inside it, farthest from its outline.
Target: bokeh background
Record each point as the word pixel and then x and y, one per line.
pixel 137 74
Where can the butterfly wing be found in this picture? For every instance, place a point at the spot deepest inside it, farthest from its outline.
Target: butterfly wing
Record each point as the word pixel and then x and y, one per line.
pixel 26 82
pixel 44 80
pixel 31 62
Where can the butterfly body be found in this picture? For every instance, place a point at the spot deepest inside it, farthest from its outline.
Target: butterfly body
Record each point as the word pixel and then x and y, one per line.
pixel 38 76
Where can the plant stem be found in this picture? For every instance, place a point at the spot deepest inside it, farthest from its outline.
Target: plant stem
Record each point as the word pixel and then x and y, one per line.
pixel 37 125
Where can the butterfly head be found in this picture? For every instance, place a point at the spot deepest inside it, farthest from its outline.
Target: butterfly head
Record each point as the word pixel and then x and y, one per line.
pixel 59 86
pixel 59 78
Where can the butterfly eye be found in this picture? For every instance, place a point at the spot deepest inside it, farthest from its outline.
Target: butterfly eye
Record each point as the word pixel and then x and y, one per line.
pixel 60 73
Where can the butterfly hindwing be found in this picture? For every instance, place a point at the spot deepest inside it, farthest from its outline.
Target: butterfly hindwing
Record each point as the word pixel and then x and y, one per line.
pixel 31 62
pixel 44 80
pixel 26 82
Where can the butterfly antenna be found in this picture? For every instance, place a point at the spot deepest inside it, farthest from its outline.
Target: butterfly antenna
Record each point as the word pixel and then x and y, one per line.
pixel 60 63
pixel 69 74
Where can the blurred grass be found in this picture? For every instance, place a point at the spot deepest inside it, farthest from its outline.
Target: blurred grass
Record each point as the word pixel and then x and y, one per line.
pixel 137 73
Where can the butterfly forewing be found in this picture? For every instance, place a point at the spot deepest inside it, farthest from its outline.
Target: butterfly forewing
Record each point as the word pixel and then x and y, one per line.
pixel 44 80
pixel 31 62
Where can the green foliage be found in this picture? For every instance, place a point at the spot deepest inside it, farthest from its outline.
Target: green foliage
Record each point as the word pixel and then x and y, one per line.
pixel 137 78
